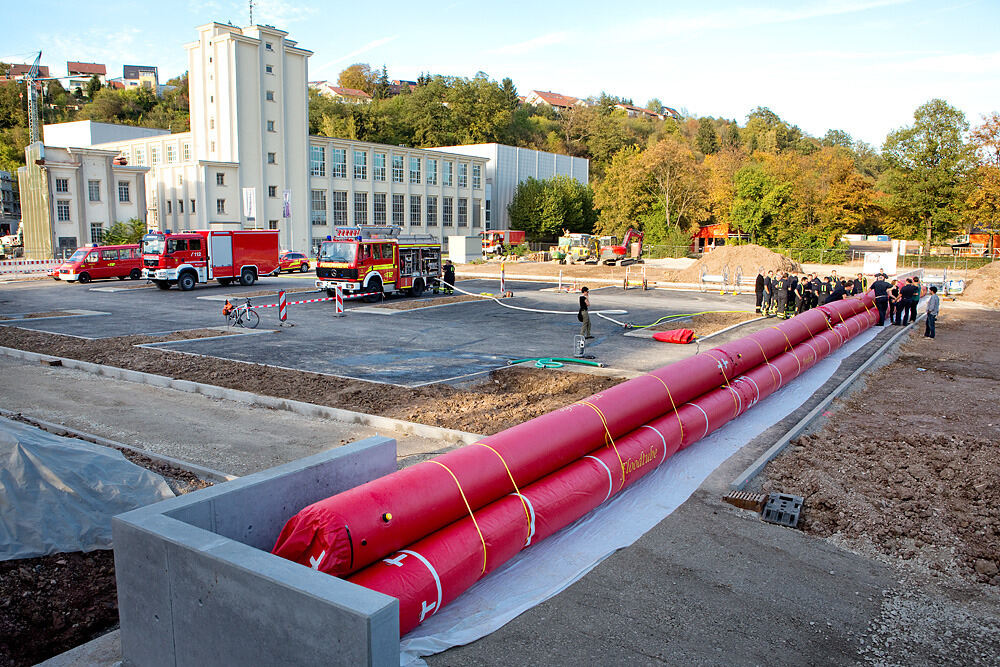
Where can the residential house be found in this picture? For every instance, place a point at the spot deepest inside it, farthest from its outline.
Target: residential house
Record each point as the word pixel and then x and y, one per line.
pixel 338 94
pixel 555 100
pixel 80 74
pixel 147 76
pixel 16 71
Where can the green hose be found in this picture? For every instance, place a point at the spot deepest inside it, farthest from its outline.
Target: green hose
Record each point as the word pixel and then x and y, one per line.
pixel 679 315
pixel 555 362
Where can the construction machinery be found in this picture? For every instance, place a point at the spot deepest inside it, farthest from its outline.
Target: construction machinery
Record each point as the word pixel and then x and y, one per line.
pixel 574 248
pixel 629 252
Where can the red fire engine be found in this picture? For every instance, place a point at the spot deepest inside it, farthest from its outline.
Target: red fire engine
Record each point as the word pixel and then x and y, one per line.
pixel 376 260
pixel 188 258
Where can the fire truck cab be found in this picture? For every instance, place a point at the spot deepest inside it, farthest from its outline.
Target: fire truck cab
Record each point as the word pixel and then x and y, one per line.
pixel 376 260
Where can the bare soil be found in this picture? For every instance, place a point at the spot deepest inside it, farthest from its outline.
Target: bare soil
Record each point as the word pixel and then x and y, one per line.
pixel 983 286
pixel 908 470
pixel 51 604
pixel 503 399
pixel 706 323
pixel 29 316
pixel 748 257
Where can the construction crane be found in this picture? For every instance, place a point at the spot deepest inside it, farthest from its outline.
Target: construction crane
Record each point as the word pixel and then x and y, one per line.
pixel 34 122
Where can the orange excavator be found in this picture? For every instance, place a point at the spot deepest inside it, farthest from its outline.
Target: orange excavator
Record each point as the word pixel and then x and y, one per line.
pixel 629 252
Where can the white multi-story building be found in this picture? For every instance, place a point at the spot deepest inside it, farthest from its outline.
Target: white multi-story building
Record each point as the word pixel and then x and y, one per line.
pixel 507 166
pixel 249 162
pixel 70 196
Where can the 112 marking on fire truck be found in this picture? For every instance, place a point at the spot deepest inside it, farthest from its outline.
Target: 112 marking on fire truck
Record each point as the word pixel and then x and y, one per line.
pixel 376 260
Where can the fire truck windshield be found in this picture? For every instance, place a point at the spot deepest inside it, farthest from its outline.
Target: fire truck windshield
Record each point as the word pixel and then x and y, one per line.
pixel 337 251
pixel 79 254
pixel 152 244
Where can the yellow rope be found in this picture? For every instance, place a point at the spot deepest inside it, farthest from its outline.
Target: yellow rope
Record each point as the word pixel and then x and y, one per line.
pixel 673 406
pixel 790 347
pixel 609 439
pixel 527 514
pixel 466 501
pixel 732 392
pixel 766 361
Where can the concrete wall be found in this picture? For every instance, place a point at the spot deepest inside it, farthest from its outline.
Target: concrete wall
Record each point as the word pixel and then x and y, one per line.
pixel 198 585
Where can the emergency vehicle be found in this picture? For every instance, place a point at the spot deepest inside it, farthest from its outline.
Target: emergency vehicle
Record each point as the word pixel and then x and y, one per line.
pixel 94 261
pixel 493 238
pixel 191 257
pixel 376 260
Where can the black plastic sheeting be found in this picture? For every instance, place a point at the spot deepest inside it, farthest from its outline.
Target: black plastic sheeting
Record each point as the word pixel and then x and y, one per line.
pixel 58 494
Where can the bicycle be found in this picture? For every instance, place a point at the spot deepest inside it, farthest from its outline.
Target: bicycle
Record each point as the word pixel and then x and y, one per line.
pixel 241 316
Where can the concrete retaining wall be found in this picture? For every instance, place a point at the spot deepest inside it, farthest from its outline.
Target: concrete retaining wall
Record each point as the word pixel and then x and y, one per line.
pixel 197 583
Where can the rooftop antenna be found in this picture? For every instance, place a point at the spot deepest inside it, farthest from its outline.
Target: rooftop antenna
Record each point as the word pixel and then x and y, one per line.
pixel 251 12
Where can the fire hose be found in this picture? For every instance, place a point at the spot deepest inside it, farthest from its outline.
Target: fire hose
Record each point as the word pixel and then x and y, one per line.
pixel 426 533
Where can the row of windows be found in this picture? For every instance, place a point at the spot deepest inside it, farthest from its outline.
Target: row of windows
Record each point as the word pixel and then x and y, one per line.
pixel 138 154
pixel 180 206
pixel 319 209
pixel 94 190
pixel 338 168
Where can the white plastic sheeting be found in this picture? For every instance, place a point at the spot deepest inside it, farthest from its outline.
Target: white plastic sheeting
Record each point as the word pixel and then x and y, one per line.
pixel 58 494
pixel 551 566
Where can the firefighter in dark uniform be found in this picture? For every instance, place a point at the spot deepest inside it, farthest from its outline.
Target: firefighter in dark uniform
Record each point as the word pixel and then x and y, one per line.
pixel 758 288
pixel 768 303
pixel 815 283
pixel 803 298
pixel 449 277
pixel 793 283
pixel 781 295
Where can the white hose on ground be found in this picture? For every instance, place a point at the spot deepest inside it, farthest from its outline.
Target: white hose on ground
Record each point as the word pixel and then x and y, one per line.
pixel 599 313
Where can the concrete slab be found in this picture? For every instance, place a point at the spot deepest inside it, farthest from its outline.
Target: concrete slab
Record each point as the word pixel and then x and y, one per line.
pixel 233 437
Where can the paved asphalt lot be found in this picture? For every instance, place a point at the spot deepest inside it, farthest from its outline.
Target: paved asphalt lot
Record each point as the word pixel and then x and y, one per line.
pixel 410 348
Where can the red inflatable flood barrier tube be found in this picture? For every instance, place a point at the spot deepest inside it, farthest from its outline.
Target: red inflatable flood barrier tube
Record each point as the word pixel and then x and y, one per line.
pixel 346 532
pixel 432 572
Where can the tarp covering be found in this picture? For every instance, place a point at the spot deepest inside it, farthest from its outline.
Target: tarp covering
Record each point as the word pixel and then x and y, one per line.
pixel 58 494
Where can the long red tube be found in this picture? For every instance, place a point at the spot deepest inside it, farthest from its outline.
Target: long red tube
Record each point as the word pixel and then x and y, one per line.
pixel 353 529
pixel 427 575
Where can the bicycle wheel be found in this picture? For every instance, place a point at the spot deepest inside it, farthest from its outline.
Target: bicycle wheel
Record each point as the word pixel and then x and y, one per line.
pixel 251 319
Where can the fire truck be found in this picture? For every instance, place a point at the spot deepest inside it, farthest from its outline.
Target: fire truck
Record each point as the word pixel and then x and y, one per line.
pixel 376 260
pixel 494 238
pixel 191 257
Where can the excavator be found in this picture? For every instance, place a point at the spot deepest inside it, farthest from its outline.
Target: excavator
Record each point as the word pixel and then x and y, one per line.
pixel 629 252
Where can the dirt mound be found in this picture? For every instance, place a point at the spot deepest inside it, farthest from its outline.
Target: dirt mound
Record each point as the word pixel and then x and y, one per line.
pixel 910 478
pixel 984 287
pixel 750 257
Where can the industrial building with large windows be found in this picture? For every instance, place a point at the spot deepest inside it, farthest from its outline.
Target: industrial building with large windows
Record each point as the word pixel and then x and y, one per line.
pixel 248 162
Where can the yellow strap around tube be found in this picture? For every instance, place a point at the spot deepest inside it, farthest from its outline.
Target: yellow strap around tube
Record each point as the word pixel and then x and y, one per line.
pixel 466 501
pixel 732 392
pixel 609 440
pixel 527 514
pixel 673 406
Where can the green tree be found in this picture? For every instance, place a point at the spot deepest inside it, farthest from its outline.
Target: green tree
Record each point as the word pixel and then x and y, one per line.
pixel 655 105
pixel 382 88
pixel 707 140
pixel 358 76
pixel 93 86
pixel 928 164
pixel 544 208
pixel 122 233
pixel 838 138
pixel 761 205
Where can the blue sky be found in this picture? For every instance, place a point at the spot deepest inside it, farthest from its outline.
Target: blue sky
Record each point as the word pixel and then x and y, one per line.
pixel 858 65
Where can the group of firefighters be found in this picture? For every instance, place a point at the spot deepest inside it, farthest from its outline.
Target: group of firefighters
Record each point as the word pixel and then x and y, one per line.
pixel 782 295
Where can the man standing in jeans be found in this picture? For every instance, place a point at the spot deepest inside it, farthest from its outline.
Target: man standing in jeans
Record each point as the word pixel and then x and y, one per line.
pixel 933 305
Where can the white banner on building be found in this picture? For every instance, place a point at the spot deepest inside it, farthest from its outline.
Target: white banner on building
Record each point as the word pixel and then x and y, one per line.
pixel 286 203
pixel 876 262
pixel 250 203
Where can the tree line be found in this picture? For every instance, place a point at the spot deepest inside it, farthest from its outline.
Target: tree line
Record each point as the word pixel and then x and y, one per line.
pixel 767 179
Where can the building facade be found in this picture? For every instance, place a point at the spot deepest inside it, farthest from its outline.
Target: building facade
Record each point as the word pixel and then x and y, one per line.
pixel 10 205
pixel 145 76
pixel 248 161
pixel 507 166
pixel 70 196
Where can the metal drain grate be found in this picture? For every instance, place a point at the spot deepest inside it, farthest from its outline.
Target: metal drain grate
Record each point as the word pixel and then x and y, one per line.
pixel 746 500
pixel 783 509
